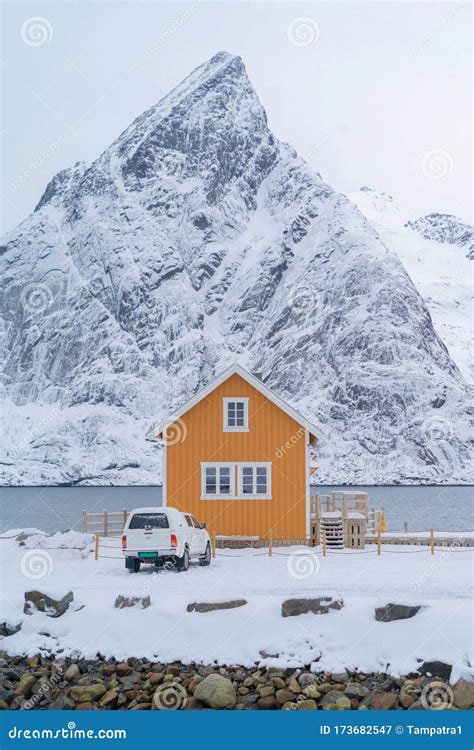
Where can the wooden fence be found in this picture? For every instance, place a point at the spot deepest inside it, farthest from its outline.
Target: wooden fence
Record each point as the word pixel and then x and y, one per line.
pixel 105 523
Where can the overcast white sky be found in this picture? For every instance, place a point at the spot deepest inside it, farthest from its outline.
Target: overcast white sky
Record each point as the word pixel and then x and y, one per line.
pixel 378 91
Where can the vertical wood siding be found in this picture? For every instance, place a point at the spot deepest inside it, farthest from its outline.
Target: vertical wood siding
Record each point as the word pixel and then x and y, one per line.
pixel 205 441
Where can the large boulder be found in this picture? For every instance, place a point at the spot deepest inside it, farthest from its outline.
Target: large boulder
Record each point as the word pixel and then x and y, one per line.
pixel 320 606
pixel 216 692
pixel 436 669
pixel 6 629
pixel 464 694
pixel 213 606
pixel 36 600
pixel 391 612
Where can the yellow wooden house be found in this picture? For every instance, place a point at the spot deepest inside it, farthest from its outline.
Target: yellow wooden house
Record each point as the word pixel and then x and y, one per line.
pixel 237 456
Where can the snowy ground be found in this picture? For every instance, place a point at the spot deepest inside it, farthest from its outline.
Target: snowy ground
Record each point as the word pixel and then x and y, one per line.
pixel 350 638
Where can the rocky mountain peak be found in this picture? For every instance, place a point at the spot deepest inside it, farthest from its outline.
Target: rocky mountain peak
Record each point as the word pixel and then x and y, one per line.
pixel 445 228
pixel 197 239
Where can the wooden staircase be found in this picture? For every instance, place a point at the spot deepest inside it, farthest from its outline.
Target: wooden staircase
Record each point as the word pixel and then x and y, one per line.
pixel 333 525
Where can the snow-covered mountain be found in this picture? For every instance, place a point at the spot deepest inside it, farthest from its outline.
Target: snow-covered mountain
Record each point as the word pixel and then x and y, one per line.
pixel 195 240
pixel 437 251
pixel 445 229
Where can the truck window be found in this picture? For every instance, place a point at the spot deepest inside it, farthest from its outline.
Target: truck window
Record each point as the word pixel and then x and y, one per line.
pixel 188 520
pixel 196 524
pixel 150 520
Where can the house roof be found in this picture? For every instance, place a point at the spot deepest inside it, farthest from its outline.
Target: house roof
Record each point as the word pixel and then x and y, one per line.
pixel 155 432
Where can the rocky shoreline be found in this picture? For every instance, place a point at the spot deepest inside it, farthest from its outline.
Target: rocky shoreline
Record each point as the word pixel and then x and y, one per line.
pixel 48 682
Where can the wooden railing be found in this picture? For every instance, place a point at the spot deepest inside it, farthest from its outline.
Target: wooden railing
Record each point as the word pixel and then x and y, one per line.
pixel 105 523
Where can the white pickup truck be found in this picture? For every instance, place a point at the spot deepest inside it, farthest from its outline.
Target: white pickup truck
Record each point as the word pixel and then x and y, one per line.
pixel 159 535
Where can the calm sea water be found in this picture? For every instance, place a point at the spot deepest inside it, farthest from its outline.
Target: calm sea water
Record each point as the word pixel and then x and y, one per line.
pixel 60 508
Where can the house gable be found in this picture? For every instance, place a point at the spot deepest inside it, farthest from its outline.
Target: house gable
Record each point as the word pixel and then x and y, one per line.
pixel 256 384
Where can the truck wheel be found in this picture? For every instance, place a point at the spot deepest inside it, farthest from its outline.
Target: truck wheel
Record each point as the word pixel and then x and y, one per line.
pixel 206 558
pixel 182 563
pixel 132 564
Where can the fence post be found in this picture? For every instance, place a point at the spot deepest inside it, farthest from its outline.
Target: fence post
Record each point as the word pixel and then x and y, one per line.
pixel 106 523
pixel 432 541
pixel 324 542
pixel 213 543
pixel 96 551
pixel 270 543
pixel 405 527
pixel 379 537
pixel 84 522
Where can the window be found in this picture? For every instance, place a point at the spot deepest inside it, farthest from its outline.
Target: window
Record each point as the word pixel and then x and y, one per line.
pixel 236 416
pixel 217 480
pixel 254 480
pixel 149 521
pixel 189 521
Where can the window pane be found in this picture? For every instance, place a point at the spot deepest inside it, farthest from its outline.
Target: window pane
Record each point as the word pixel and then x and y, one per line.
pixel 240 414
pixel 247 480
pixel 224 480
pixel 261 480
pixel 210 481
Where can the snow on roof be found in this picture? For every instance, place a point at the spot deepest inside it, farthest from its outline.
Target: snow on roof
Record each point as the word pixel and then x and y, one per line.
pixel 255 382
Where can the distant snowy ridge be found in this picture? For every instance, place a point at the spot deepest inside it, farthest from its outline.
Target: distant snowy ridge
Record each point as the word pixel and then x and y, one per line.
pixel 445 228
pixel 196 240
pixel 436 250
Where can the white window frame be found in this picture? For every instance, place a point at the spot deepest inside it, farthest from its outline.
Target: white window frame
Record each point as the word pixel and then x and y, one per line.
pixel 254 465
pixel 237 399
pixel 218 465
